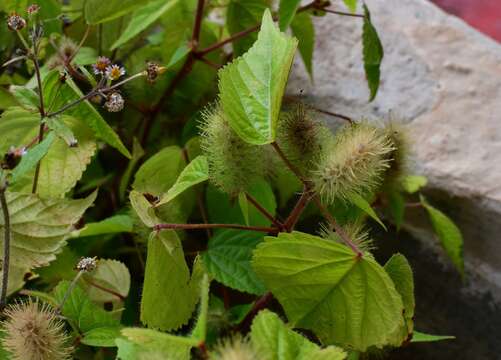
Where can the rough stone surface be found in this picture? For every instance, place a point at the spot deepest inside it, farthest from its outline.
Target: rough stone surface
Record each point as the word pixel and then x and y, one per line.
pixel 444 79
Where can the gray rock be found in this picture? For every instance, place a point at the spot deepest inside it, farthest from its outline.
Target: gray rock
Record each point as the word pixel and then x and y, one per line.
pixel 444 79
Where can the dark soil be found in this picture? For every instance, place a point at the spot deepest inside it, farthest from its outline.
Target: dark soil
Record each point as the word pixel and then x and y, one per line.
pixel 443 306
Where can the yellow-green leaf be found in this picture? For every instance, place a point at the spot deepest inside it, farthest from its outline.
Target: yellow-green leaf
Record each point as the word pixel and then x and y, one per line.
pixel 252 86
pixel 324 286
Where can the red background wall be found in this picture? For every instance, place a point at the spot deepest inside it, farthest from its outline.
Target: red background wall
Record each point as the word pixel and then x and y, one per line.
pixel 485 15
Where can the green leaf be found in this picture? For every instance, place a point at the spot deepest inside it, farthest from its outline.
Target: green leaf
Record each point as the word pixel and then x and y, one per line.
pixel 199 333
pixel 26 97
pixel 422 337
pixel 448 233
pixel 18 127
pixel 156 176
pixel 179 54
pixel 88 113
pixel 228 260
pixel 98 11
pixel 396 206
pixel 38 230
pixel 111 275
pixel 275 341
pixel 286 12
pixel 112 225
pixel 372 54
pixel 62 130
pixel 81 311
pixel 194 173
pixel 102 336
pixel 363 205
pixel 146 344
pixel 143 17
pixel 244 206
pixel 303 29
pixel 159 173
pixel 58 95
pixel 169 293
pixel 221 209
pixel 31 159
pixel 252 86
pixel 63 165
pixel 414 183
pixel 137 153
pixel 241 15
pixel 143 209
pixel 401 274
pixel 325 287
pixel 351 4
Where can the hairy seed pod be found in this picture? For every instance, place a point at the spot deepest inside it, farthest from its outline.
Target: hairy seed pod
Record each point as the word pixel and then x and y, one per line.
pixel 357 233
pixel 33 332
pixel 355 163
pixel 400 156
pixel 236 348
pixel 233 163
pixel 301 136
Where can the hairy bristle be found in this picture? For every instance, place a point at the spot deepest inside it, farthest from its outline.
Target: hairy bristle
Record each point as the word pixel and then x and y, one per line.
pixel 233 163
pixel 236 348
pixel 301 136
pixel 357 233
pixel 400 156
pixel 355 163
pixel 33 332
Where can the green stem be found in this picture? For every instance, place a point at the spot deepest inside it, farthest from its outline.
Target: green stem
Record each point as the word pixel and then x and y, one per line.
pixel 68 291
pixel 6 247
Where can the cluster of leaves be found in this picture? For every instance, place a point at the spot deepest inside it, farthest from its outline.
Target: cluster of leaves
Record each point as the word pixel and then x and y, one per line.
pixel 186 156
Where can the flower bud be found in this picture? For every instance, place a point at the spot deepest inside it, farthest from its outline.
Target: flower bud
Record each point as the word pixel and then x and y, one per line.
pixel 153 70
pixel 15 22
pixel 33 9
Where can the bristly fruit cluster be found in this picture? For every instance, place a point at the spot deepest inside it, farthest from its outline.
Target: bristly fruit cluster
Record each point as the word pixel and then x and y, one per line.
pixel 233 163
pixel 355 163
pixel 34 332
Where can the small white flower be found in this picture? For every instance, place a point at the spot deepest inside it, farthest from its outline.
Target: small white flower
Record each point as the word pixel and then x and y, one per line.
pixel 114 72
pixel 114 103
pixel 99 67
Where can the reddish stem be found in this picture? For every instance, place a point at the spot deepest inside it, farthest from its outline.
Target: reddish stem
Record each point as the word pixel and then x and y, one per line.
pixel 263 211
pixel 264 229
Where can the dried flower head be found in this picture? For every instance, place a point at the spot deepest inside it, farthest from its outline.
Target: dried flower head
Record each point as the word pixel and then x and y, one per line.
pixel 99 67
pixel 87 264
pixel 115 102
pixel 33 332
pixel 153 70
pixel 114 72
pixel 33 9
pixel 15 22
pixel 236 348
pixel 355 163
